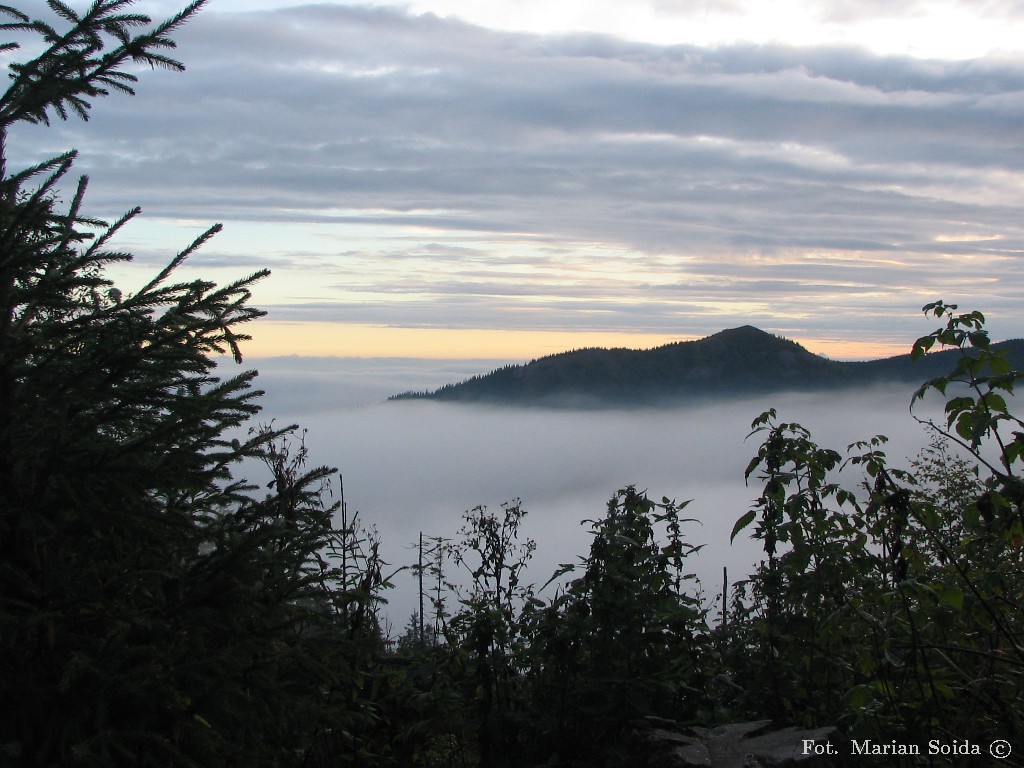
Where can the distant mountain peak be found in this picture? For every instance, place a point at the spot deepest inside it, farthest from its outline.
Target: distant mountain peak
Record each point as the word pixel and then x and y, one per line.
pixel 743 360
pixel 748 333
pixel 750 330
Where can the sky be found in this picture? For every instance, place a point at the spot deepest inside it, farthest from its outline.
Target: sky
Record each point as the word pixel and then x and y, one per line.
pixel 505 180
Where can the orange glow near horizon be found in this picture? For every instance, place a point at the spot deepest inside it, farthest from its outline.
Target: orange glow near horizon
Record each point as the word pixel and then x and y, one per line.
pixel 320 339
pixel 315 339
pixel 842 349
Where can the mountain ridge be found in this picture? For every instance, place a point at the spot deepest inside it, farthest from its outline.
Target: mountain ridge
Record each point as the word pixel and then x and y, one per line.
pixel 743 360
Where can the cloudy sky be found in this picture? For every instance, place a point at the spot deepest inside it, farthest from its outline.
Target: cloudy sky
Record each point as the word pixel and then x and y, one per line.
pixel 497 179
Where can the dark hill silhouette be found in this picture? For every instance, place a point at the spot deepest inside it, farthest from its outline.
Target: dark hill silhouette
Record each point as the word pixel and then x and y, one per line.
pixel 735 361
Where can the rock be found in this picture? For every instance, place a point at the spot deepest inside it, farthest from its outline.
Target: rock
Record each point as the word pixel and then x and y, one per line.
pixel 737 745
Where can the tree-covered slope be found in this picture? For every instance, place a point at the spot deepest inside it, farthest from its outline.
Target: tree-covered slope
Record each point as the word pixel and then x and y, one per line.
pixel 737 360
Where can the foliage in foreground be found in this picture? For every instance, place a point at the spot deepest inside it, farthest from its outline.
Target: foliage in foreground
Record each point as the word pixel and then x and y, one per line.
pixel 155 610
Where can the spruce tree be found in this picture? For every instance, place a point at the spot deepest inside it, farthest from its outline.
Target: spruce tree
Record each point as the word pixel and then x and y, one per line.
pixel 153 609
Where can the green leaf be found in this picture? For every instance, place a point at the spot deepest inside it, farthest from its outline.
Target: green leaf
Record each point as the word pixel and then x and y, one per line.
pixel 999 365
pixel 995 402
pixel 951 596
pixel 742 523
pixel 860 697
pixel 921 346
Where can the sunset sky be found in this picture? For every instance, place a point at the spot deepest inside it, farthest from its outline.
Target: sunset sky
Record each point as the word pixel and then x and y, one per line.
pixel 494 179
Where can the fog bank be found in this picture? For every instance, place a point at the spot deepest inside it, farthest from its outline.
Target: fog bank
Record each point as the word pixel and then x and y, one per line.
pixel 415 466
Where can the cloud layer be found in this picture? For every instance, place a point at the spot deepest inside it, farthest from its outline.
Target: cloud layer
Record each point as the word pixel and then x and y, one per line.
pixel 422 171
pixel 418 466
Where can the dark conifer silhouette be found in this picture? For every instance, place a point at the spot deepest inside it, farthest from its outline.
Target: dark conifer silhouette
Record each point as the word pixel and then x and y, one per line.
pixel 153 609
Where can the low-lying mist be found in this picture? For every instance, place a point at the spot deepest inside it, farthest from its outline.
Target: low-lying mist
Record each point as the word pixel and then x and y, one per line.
pixel 415 466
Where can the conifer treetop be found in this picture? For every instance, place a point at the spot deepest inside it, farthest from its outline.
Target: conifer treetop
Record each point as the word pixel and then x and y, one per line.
pixel 79 65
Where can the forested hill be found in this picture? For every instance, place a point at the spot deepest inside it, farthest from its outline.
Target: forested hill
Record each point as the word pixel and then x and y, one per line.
pixel 736 361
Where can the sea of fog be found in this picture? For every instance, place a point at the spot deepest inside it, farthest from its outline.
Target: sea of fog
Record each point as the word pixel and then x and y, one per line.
pixel 418 466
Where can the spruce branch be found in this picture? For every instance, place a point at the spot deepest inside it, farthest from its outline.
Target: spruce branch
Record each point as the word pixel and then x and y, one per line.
pixel 73 70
